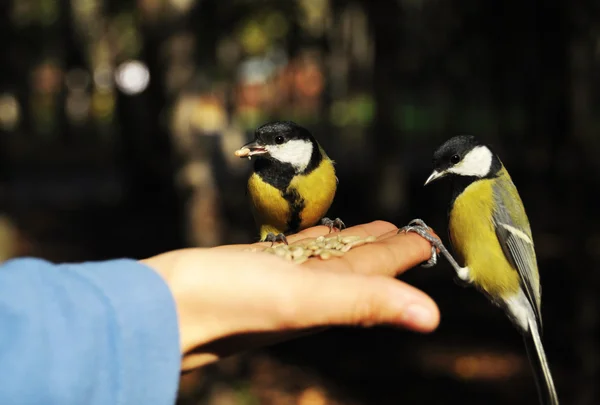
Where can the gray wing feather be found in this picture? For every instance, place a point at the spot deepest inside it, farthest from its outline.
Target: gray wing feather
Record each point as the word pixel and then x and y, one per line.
pixel 512 229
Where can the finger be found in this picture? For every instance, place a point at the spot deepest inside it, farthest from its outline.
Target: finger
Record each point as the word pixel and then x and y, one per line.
pixel 271 294
pixel 375 228
pixel 230 345
pixel 327 298
pixel 390 255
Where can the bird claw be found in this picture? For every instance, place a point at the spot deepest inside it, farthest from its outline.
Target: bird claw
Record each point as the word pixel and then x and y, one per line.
pixel 418 222
pixel 432 260
pixel 271 237
pixel 333 223
pixel 419 227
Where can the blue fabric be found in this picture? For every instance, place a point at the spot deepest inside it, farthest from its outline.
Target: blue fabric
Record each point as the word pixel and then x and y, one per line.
pixel 97 333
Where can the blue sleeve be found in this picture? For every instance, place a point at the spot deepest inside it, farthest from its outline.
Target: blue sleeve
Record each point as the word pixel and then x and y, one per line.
pixel 98 333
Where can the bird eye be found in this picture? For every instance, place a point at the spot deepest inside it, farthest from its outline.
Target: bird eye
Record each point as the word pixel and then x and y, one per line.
pixel 455 159
pixel 279 140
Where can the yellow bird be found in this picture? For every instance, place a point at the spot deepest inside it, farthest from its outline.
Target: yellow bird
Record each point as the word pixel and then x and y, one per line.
pixel 491 236
pixel 293 182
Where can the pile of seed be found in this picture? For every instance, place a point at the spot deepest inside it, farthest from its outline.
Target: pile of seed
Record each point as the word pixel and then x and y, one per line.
pixel 321 247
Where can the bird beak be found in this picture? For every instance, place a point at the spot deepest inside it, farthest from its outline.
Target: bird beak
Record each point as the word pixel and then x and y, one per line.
pixel 434 176
pixel 253 148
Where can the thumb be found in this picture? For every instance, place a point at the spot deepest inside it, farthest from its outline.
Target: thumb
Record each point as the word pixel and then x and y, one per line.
pixel 325 299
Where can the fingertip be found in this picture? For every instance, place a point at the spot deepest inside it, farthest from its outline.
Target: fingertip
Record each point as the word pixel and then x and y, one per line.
pixel 409 307
pixel 383 226
pixel 421 316
pixel 415 310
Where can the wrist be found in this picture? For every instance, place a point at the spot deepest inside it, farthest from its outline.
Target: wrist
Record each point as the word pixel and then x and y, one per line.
pixel 194 329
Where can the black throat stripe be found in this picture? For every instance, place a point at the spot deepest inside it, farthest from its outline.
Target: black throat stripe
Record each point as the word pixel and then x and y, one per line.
pixel 277 174
pixel 296 206
pixel 280 175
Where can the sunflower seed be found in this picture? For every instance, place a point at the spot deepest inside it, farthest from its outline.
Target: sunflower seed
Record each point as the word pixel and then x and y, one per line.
pixel 350 239
pixel 322 247
pixel 325 255
pixel 296 253
pixel 336 253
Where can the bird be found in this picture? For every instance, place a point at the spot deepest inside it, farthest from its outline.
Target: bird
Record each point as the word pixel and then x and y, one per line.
pixel 293 182
pixel 491 235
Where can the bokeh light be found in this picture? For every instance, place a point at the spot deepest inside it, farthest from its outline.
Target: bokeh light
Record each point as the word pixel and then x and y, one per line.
pixel 132 77
pixel 10 112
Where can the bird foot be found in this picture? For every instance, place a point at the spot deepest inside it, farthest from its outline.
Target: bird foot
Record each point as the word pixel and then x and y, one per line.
pixel 419 227
pixel 333 223
pixel 271 237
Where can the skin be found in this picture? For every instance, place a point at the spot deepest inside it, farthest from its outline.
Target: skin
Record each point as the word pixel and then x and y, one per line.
pixel 229 301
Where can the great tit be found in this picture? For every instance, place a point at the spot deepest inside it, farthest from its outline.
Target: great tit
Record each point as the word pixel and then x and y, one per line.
pixel 293 182
pixel 491 236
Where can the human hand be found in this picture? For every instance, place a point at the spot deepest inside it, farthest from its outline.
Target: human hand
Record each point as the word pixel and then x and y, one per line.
pixel 230 300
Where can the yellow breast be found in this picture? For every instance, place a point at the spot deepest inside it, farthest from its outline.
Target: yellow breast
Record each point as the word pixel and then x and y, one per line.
pixel 271 211
pixel 318 190
pixel 474 240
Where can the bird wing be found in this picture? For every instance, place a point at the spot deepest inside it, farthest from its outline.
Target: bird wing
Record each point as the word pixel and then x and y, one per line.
pixel 514 234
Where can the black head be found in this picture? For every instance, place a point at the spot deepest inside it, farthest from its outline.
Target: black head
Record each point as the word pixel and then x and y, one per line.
pixel 286 145
pixel 280 132
pixel 453 151
pixel 465 156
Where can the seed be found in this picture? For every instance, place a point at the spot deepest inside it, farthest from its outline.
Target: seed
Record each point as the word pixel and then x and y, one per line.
pixel 336 253
pixel 300 260
pixel 350 239
pixel 352 245
pixel 322 247
pixel 325 255
pixel 296 253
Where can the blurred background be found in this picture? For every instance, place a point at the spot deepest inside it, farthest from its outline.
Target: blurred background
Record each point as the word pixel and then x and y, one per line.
pixel 119 118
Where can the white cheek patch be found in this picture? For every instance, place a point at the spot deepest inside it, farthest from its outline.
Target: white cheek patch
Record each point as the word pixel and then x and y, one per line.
pixel 476 163
pixel 295 152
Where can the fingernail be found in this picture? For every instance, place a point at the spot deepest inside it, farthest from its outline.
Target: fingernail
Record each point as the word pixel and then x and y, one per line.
pixel 419 314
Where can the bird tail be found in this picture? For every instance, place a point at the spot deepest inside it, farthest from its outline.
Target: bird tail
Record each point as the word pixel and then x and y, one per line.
pixel 539 365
